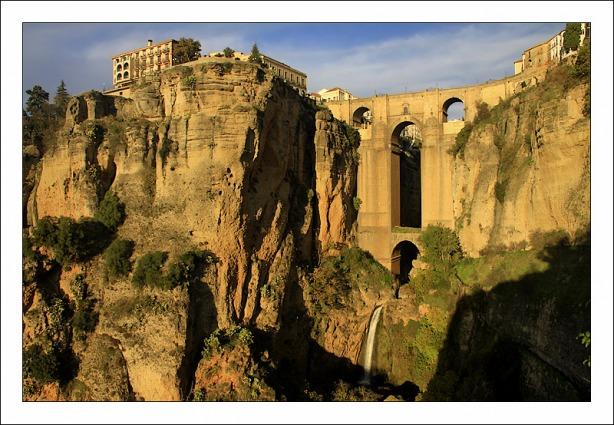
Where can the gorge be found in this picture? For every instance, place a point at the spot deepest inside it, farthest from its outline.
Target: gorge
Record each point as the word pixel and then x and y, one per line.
pixel 245 271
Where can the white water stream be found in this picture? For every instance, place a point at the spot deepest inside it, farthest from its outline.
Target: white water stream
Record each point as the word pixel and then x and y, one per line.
pixel 369 345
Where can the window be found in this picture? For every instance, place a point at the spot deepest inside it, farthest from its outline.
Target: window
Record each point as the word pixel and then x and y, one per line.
pixel 118 77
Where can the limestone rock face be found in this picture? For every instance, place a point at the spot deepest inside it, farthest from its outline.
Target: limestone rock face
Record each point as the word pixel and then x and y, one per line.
pixel 103 372
pixel 218 156
pixel 231 375
pixel 527 172
pixel 336 173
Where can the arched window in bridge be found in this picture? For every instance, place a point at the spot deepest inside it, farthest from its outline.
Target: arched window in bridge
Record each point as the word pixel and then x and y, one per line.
pixel 453 110
pixel 361 118
pixel 119 67
pixel 126 75
pixel 119 76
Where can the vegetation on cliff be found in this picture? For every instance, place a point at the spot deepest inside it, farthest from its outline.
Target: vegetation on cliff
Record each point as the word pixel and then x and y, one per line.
pixel 558 82
pixel 339 275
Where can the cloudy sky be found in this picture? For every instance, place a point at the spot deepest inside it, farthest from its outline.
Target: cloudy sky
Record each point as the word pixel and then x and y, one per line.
pixel 364 58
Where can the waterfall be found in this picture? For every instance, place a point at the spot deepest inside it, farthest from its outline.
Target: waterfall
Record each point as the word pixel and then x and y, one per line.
pixel 369 345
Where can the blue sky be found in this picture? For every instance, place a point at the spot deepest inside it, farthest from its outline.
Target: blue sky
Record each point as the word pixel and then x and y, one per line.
pixel 364 58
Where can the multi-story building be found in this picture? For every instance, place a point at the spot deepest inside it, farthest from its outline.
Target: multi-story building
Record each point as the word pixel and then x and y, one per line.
pixel 549 52
pixel 129 67
pixel 292 76
pixel 336 93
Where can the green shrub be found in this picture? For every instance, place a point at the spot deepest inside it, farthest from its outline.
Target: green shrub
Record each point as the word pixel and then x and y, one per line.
pixel 188 268
pixel 199 395
pixel 148 270
pixel 117 257
pixel 271 289
pixel 64 236
pixel 352 134
pixel 585 340
pixel 94 131
pixel 111 211
pixel 582 67
pixel 347 392
pixel 78 287
pixel 461 140
pixel 441 247
pixel 189 82
pixel 483 112
pixel 357 202
pixel 41 365
pixel 338 275
pixel 84 319
pixel 221 339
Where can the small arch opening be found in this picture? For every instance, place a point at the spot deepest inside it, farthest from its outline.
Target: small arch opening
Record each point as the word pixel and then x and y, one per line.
pixel 126 66
pixel 403 256
pixel 362 118
pixel 126 75
pixel 119 76
pixel 453 110
pixel 119 67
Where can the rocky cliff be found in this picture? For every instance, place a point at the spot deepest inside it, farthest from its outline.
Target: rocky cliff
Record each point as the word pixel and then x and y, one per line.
pixel 524 167
pixel 218 156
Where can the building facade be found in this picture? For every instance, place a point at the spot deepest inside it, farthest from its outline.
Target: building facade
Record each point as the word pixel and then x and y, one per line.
pixel 549 52
pixel 334 94
pixel 129 67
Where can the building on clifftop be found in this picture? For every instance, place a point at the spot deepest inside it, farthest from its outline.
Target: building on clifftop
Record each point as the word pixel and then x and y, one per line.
pixel 292 76
pixel 131 66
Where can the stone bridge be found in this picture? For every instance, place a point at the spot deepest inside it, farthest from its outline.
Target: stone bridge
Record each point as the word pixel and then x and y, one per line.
pixel 397 203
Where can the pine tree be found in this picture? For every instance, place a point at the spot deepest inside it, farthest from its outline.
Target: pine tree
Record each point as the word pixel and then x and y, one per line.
pixel 61 98
pixel 38 101
pixel 255 56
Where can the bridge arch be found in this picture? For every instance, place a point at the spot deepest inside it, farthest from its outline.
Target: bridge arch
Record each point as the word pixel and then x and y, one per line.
pixel 361 117
pixel 403 255
pixel 400 123
pixel 406 174
pixel 453 108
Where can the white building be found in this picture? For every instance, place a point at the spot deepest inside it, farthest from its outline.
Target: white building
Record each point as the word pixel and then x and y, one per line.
pixel 334 94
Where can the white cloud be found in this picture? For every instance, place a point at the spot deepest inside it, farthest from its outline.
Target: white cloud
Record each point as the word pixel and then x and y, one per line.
pixel 467 55
pixel 453 56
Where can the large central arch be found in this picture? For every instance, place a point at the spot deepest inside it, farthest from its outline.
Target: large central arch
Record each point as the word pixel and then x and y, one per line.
pixel 406 175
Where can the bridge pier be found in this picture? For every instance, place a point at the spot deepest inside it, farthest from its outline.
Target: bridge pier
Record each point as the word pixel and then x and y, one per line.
pixel 379 174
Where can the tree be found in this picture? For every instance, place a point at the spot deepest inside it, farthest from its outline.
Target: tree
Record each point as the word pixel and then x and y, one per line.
pixel 571 40
pixel 441 247
pixel 61 98
pixel 228 52
pixel 38 101
pixel 186 50
pixel 255 56
pixel 111 212
pixel 117 257
pixel 582 67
